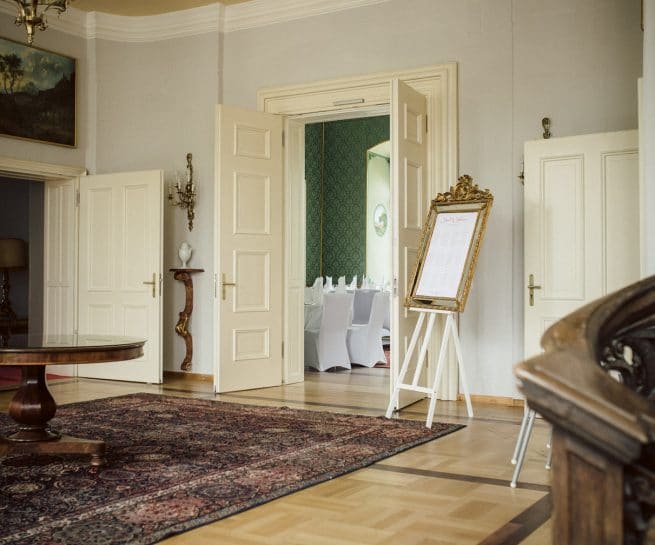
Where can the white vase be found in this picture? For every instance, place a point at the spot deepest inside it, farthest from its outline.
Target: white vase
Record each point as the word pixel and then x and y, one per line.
pixel 185 254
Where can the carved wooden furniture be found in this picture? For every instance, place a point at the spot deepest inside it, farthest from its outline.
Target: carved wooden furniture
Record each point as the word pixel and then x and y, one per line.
pixel 182 326
pixel 33 406
pixel 596 384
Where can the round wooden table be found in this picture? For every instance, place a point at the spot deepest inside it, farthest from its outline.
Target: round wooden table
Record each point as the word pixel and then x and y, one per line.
pixel 33 406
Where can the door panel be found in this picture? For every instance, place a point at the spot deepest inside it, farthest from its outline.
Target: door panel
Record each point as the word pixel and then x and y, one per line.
pixel 581 216
pixel 250 208
pixel 59 259
pixel 410 203
pixel 120 258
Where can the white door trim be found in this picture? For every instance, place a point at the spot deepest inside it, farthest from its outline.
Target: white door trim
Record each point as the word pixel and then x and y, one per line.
pixel 349 96
pixel 34 170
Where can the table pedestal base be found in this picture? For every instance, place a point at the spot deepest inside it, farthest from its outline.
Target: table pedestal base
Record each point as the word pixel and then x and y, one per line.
pixel 32 407
pixel 64 444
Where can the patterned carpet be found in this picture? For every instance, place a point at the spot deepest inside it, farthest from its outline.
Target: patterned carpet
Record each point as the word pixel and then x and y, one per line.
pixel 175 464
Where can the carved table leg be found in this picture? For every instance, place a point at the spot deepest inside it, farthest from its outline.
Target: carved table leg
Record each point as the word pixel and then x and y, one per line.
pixel 182 324
pixel 32 407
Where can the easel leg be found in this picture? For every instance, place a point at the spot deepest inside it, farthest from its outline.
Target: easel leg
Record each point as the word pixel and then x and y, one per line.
pixel 403 370
pixel 438 373
pixel 424 349
pixel 460 364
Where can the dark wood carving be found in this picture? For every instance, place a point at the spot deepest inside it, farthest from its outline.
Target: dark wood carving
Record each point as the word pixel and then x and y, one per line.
pixel 182 326
pixel 595 383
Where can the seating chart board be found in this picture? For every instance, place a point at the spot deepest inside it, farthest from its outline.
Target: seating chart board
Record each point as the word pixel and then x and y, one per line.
pixel 449 248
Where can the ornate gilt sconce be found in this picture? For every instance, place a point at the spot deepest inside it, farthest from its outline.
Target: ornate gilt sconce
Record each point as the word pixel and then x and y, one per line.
pixel 185 197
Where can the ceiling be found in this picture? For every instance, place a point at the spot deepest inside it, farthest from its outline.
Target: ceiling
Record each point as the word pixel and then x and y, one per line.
pixel 150 7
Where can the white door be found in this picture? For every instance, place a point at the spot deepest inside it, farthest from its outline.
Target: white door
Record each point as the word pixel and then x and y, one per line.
pixel 120 267
pixel 249 237
pixel 581 217
pixel 60 260
pixel 411 199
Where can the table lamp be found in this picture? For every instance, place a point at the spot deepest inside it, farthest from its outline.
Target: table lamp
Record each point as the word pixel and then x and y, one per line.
pixel 13 257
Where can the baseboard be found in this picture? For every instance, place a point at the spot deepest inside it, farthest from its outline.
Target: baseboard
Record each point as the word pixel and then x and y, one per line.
pixel 494 400
pixel 188 376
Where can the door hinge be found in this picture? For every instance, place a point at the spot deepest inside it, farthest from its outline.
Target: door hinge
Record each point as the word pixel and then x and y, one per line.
pixel 283 349
pixel 77 197
pixel 426 122
pixel 284 138
pixel 215 285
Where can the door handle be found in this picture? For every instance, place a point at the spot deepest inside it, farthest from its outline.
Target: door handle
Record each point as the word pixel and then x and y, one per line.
pixel 225 284
pixel 153 283
pixel 531 287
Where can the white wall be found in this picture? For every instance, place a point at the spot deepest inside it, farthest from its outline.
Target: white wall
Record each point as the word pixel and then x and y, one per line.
pixel 378 248
pixel 144 105
pixel 154 103
pixel 575 62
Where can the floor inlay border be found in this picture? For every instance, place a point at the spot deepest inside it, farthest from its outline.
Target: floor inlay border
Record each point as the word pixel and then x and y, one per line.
pixel 457 477
pixel 523 524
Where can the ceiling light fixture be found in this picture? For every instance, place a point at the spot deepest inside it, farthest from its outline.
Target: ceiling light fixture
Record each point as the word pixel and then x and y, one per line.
pixel 31 13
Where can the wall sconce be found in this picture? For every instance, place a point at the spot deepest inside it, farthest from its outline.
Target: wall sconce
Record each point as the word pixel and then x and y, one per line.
pixel 185 197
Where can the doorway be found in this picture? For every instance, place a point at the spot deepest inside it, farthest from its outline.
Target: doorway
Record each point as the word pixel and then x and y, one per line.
pixel 347 188
pixel 436 129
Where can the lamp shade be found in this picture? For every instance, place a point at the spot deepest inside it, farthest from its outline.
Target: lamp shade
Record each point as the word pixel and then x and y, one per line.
pixel 13 253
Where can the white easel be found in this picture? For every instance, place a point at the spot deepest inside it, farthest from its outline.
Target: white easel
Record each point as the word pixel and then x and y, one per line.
pixel 450 330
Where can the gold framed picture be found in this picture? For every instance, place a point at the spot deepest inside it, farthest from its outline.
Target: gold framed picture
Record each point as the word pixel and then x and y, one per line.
pixel 449 248
pixel 37 96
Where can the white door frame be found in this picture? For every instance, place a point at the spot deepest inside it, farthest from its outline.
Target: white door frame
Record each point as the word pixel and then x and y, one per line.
pixel 47 173
pixel 354 97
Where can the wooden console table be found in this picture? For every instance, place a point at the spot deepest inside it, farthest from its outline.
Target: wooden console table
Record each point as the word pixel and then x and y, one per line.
pixel 182 329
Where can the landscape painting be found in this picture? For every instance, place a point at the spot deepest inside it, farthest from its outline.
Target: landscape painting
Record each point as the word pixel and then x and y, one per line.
pixel 37 94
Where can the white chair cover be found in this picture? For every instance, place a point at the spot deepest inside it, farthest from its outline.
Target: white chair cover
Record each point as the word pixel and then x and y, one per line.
pixel 364 341
pixel 362 305
pixel 326 347
pixel 309 296
pixel 386 325
pixel 353 284
pixel 341 284
pixel 328 283
pixel 317 288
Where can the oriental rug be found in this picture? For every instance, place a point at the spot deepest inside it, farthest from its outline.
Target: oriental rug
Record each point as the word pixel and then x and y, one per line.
pixel 175 463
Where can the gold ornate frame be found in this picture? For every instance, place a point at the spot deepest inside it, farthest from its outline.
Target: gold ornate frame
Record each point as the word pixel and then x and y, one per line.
pixel 463 197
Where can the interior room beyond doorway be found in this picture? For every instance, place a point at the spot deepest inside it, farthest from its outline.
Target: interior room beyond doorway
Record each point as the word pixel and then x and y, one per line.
pixel 346 169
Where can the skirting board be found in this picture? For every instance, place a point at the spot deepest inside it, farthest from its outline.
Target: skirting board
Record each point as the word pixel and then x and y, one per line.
pixel 188 376
pixel 494 400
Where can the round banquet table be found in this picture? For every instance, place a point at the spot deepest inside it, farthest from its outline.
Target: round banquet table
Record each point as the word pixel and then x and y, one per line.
pixel 33 406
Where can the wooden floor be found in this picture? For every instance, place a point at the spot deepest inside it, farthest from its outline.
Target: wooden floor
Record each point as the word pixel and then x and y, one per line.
pixel 454 490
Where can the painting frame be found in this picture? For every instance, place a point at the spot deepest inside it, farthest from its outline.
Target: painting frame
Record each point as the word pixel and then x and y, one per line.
pixel 38 95
pixel 473 206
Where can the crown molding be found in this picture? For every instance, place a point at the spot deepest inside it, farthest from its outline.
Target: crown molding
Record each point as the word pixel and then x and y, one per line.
pixel 154 28
pixel 258 13
pixel 191 22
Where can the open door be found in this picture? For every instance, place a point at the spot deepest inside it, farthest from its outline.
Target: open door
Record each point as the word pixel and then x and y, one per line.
pixel 249 286
pixel 60 262
pixel 410 189
pixel 120 268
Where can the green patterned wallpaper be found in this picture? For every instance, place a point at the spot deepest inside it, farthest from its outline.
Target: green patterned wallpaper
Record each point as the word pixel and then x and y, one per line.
pixel 342 169
pixel 313 175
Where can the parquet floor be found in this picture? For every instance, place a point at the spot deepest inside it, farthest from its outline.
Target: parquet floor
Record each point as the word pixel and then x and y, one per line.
pixel 452 491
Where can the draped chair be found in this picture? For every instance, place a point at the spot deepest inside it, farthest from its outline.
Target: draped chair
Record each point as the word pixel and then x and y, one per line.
pixel 326 347
pixel 364 340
